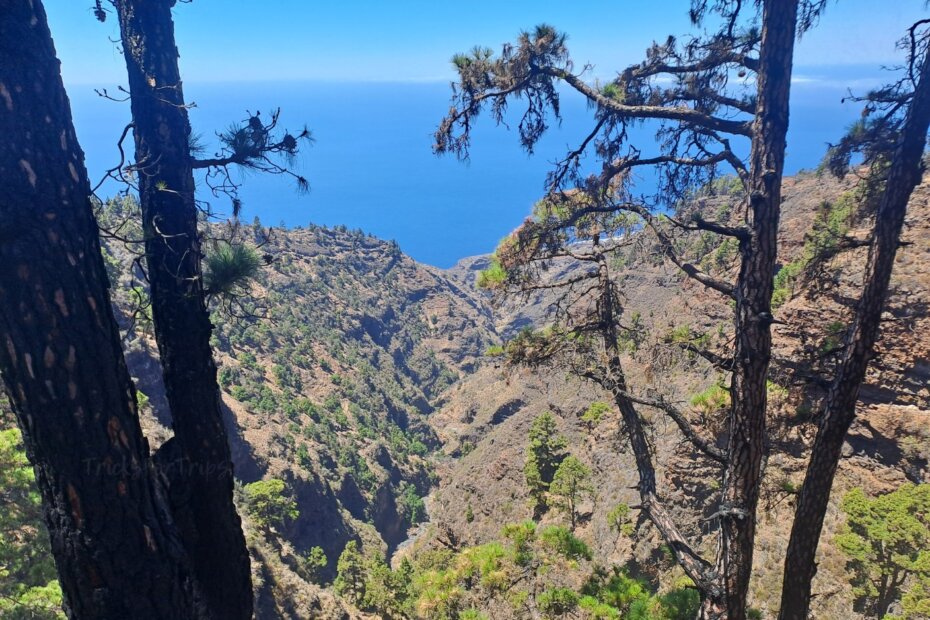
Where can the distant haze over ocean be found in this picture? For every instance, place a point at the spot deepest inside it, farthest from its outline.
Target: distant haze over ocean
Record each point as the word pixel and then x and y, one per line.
pixel 372 167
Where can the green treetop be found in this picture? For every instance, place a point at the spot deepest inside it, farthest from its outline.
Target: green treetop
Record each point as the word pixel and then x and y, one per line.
pixel 572 481
pixel 268 505
pixel 544 454
pixel 886 538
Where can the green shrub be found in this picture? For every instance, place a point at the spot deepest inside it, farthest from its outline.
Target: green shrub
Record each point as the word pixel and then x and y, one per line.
pixel 495 350
pixel 557 602
pixel 885 539
pixel 620 520
pixel 595 413
pixel 412 507
pixel 561 541
pixel 830 226
pixel 268 504
pixel 315 563
pixel 712 399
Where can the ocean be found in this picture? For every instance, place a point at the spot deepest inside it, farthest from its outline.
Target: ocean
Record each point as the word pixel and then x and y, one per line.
pixel 372 167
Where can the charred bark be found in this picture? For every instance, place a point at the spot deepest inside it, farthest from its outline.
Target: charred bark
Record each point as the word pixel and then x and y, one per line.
pixel 198 465
pixel 614 381
pixel 753 293
pixel 840 408
pixel 114 543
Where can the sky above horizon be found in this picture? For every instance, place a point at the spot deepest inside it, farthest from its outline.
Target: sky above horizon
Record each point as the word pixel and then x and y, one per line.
pixel 371 81
pixel 413 40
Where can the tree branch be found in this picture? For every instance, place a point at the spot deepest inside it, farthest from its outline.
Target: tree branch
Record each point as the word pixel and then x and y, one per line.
pixel 687 115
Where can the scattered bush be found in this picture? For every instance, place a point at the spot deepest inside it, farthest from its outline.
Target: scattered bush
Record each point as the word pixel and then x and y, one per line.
pixel 268 504
pixel 595 413
pixel 620 520
pixel 885 539
pixel 711 400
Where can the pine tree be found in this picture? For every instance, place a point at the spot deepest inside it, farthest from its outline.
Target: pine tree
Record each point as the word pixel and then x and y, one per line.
pixel 269 504
pixel 544 454
pixel 896 132
pixel 351 573
pixel 885 539
pixel 28 585
pixel 684 88
pixel 196 460
pixel 115 546
pixel 572 481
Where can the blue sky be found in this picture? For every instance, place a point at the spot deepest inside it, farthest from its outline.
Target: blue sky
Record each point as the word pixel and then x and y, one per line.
pixel 371 80
pixel 412 40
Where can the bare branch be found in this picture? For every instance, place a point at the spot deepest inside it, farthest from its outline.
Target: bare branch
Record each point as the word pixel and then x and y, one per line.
pixel 683 114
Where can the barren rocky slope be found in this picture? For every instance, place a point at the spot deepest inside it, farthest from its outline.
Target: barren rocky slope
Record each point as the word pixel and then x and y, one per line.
pixel 485 418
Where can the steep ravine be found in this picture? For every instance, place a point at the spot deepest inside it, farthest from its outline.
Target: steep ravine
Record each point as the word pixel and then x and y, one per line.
pixel 484 421
pixel 366 387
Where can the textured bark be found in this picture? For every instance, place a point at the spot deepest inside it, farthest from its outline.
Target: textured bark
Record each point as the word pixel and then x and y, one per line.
pixel 614 381
pixel 840 407
pixel 63 369
pixel 197 460
pixel 746 444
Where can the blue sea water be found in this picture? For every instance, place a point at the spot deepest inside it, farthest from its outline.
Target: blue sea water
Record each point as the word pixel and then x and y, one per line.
pixel 372 167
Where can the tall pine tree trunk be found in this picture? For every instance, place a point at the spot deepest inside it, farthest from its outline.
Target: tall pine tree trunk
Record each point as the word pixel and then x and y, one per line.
pixel 614 381
pixel 60 357
pixel 840 408
pixel 746 444
pixel 197 460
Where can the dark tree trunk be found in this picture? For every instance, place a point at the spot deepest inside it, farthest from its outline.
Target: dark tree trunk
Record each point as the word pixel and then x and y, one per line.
pixel 63 369
pixel 614 381
pixel 840 408
pixel 746 446
pixel 197 460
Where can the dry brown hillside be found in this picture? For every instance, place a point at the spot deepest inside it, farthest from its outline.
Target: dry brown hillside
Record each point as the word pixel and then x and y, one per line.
pixel 362 383
pixel 484 419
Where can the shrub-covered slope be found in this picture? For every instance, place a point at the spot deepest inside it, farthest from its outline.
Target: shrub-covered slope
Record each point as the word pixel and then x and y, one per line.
pixel 485 421
pixel 360 399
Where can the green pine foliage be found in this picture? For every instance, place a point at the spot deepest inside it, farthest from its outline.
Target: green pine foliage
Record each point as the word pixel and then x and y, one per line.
pixel 557 602
pixel 633 334
pixel 614 594
pixel 620 520
pixel 885 539
pixel 595 413
pixel 268 503
pixel 493 277
pixel 351 573
pixel 28 583
pixel 229 268
pixel 715 398
pixel 570 484
pixel 831 225
pixel 412 507
pixel 544 454
pixel 315 562
pixel 531 571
